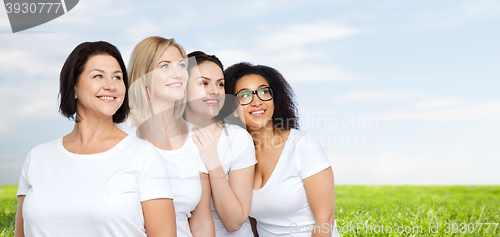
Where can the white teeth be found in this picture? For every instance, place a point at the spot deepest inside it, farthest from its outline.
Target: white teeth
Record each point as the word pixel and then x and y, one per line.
pixel 258 112
pixel 178 84
pixel 106 97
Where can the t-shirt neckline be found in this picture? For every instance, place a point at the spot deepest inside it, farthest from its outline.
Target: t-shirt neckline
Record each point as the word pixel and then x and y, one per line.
pixel 279 159
pixel 95 155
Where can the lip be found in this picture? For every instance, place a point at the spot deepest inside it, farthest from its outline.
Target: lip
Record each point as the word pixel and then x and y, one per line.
pixel 259 114
pixel 106 98
pixel 175 85
pixel 211 102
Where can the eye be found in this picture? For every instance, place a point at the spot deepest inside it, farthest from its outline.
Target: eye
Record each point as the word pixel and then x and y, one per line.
pixel 245 94
pixel 203 83
pixel 117 77
pixel 164 66
pixel 264 91
pixel 182 65
pixel 98 76
pixel 220 85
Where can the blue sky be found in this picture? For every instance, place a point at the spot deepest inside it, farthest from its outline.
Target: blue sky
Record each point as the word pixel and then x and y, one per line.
pixel 418 79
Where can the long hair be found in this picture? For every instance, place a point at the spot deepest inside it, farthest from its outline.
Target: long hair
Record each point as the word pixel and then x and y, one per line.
pixel 144 56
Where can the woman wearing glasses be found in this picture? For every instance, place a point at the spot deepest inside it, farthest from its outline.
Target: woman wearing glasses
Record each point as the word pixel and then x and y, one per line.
pixel 293 183
pixel 227 150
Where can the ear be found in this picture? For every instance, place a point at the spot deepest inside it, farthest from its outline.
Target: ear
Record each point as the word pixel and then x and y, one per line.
pixel 76 96
pixel 235 114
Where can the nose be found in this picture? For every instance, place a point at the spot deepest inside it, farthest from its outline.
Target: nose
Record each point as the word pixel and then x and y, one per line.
pixel 176 73
pixel 256 101
pixel 109 84
pixel 211 89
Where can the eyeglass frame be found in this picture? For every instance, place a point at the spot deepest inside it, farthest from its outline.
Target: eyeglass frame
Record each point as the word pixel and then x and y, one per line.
pixel 254 92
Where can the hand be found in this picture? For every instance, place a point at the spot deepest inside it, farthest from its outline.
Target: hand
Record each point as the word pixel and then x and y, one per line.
pixel 207 144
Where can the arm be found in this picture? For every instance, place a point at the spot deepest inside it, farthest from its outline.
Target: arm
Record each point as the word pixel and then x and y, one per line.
pixel 201 222
pixel 321 196
pixel 232 198
pixel 159 217
pixel 19 225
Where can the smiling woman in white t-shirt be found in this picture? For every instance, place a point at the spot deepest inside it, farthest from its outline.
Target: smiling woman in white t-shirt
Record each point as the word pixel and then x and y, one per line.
pixel 158 77
pixel 226 149
pixel 293 184
pixel 95 181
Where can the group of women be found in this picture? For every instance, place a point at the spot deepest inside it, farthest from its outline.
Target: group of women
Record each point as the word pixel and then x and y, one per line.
pixel 174 145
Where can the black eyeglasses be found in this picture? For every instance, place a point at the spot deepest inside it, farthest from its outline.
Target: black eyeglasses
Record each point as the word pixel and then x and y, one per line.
pixel 246 97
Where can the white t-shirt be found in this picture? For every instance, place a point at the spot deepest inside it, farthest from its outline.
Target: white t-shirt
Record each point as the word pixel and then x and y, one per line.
pixel 281 207
pixel 184 166
pixel 236 151
pixel 99 194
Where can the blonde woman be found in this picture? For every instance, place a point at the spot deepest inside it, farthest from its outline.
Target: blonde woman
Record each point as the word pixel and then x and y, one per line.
pixel 158 77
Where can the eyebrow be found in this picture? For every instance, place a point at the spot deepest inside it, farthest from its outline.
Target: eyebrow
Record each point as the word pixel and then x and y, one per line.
pixel 163 61
pixel 181 60
pixel 206 78
pixel 243 89
pixel 102 71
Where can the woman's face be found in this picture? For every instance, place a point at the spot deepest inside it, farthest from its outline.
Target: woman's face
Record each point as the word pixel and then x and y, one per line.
pixel 258 113
pixel 205 89
pixel 100 89
pixel 169 76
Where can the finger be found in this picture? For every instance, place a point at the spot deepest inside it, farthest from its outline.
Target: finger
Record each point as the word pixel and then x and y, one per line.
pixel 203 136
pixel 200 137
pixel 196 141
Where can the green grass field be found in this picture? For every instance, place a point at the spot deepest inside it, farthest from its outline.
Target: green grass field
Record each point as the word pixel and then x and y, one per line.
pixel 377 210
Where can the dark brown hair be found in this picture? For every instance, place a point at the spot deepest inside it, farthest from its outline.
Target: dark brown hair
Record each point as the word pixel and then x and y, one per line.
pixel 73 68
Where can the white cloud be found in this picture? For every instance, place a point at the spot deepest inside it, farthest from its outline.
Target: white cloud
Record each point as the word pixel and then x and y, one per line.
pixel 454 16
pixel 24 61
pixel 435 103
pixel 316 73
pixel 230 57
pixel 297 35
pixel 376 95
pixel 479 111
pixel 27 102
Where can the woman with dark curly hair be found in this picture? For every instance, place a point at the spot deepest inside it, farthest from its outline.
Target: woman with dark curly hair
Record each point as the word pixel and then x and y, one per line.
pixel 97 180
pixel 293 183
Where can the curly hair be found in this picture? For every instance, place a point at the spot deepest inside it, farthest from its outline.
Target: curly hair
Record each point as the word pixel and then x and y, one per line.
pixel 285 114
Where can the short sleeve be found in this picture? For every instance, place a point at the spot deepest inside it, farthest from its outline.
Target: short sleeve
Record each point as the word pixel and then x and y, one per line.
pixel 201 166
pixel 315 159
pixel 24 184
pixel 243 149
pixel 153 178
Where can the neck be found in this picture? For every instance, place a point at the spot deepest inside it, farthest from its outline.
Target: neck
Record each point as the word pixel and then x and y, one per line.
pixel 265 137
pixel 163 106
pixel 201 120
pixel 90 129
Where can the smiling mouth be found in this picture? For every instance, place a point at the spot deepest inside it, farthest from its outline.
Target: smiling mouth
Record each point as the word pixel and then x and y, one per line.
pixel 106 97
pixel 258 112
pixel 211 102
pixel 175 85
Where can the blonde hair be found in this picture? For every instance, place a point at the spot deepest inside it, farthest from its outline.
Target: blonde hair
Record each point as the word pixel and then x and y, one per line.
pixel 144 56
